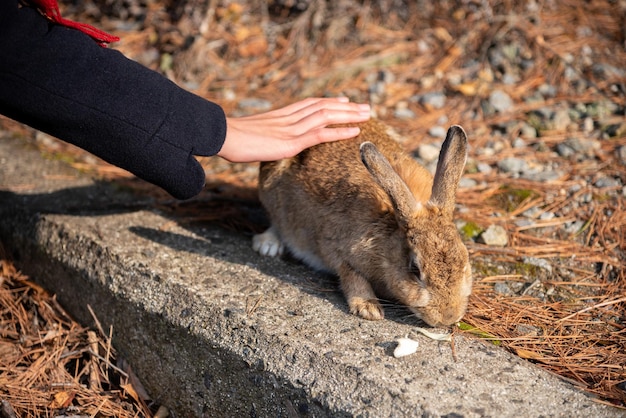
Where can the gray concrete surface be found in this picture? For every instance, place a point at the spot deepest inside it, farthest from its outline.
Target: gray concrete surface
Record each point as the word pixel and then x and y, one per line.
pixel 214 330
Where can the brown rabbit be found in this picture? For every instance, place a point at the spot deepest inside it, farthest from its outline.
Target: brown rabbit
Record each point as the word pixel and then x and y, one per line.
pixel 366 211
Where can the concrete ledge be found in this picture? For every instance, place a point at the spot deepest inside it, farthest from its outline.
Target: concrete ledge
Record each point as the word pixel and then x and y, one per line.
pixel 214 330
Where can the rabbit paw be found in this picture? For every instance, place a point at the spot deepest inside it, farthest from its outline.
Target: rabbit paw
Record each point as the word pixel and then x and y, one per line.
pixel 268 243
pixel 367 309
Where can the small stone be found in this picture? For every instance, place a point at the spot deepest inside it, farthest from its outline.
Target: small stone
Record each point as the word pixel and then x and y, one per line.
pixel 510 79
pixel 433 100
pixel 533 212
pixel 442 120
pixel 544 112
pixel 564 150
pixel 502 288
pixel 582 146
pixel 574 227
pixel 404 113
pixel 528 330
pixel 518 143
pixel 607 182
pixel 422 46
pixel 542 176
pixel 428 152
pixel 437 132
pixel 500 101
pixel 547 90
pixel 229 94
pixel 546 216
pixel 524 222
pixel 466 183
pixel 484 168
pixel 495 236
pixel 539 262
pixel 561 119
pixel 512 165
pixel 528 131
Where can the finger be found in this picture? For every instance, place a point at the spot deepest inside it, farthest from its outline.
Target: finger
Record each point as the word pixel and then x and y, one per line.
pixel 305 107
pixel 327 135
pixel 324 117
pixel 315 102
pixel 331 106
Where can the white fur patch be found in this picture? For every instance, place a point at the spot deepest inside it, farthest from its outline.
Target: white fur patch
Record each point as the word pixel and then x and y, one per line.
pixel 268 243
pixel 466 286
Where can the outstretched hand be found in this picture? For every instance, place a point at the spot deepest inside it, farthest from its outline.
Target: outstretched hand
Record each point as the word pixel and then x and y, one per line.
pixel 284 132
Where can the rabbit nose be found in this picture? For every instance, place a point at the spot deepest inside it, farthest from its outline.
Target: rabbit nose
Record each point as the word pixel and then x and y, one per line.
pixel 450 317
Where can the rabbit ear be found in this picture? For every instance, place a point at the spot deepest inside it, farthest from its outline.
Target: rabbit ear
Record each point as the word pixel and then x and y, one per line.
pixel 449 169
pixel 403 201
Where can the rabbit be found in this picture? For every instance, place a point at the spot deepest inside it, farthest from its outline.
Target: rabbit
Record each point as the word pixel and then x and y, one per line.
pixel 366 211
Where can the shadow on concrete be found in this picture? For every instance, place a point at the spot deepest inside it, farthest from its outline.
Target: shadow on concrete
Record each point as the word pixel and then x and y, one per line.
pixel 235 212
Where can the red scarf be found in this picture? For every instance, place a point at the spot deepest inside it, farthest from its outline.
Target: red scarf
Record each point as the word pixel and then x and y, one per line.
pixel 50 9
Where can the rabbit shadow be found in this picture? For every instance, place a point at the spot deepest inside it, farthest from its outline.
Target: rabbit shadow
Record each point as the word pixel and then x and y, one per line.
pixel 221 222
pixel 228 217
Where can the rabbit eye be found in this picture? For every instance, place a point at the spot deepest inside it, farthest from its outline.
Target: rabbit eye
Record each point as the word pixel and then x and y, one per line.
pixel 415 270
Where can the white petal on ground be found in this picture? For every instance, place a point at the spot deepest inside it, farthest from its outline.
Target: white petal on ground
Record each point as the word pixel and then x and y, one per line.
pixel 405 347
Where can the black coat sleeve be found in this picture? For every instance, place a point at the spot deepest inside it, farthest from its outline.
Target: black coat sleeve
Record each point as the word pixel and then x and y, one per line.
pixel 59 81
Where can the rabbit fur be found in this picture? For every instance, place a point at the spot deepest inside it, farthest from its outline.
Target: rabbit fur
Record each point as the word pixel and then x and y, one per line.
pixel 366 211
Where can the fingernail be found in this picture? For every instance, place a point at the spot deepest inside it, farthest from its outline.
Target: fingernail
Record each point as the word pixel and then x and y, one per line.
pixel 343 99
pixel 353 131
pixel 364 107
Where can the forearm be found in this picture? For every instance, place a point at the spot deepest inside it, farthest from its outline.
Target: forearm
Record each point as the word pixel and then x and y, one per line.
pixel 61 82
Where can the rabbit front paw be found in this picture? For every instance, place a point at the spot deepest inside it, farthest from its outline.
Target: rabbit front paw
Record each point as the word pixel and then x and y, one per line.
pixel 366 309
pixel 268 243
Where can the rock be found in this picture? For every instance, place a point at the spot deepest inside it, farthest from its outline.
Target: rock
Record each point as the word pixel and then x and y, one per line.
pixel 437 132
pixel 561 119
pixel 435 100
pixel 518 143
pixel 404 113
pixel 524 222
pixel 546 216
pixel 483 168
pixel 500 101
pixel 607 182
pixel 574 227
pixel 512 165
pixel 428 152
pixel 528 330
pixel 466 183
pixel 502 288
pixel 495 236
pixel 582 146
pixel 547 90
pixel 510 79
pixel 565 151
pixel 528 131
pixel 542 176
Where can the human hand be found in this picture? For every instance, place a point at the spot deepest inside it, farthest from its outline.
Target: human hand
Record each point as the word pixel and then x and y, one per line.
pixel 284 132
